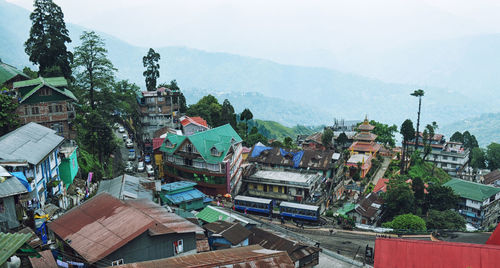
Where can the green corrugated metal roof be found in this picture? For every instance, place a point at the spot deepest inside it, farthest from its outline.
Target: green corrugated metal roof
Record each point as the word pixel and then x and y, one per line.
pixel 10 243
pixel 472 190
pixel 220 137
pixel 346 208
pixel 208 214
pixel 8 72
pixel 51 82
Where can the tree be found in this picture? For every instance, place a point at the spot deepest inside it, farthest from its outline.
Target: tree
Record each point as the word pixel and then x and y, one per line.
pixel 418 188
pixel 152 73
pixel 245 116
pixel 384 132
pixel 327 137
pixel 427 138
pixel 408 132
pixel 441 198
pixel 399 198
pixel 478 158
pixel 288 142
pixel 418 93
pixel 207 108
pixel 94 69
pixel 493 156
pixel 46 45
pixel 457 137
pixel 227 114
pixel 32 74
pixel 342 139
pixel 8 117
pixel 448 219
pixel 469 140
pixel 407 222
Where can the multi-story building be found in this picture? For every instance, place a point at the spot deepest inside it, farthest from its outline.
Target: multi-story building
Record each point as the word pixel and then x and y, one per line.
pixel 46 101
pixel 286 185
pixel 192 125
pixel 478 203
pixel 34 150
pixel 159 108
pixel 210 158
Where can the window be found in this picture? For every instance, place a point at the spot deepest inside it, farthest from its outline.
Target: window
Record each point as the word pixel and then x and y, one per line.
pixel 454 158
pixel 445 157
pixel 58 108
pixel 178 246
pixel 117 262
pixel 160 98
pixel 214 151
pixel 50 109
pixel 45 91
pixel 34 110
pixel 26 111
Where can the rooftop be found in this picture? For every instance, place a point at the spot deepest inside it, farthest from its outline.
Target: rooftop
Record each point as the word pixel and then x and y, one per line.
pixel 381 185
pixel 32 142
pixel 58 84
pixel 472 190
pixel 211 214
pixel 233 232
pixel 10 243
pixel 178 185
pixel 8 72
pixel 250 256
pixel 186 196
pixel 194 120
pixel 287 176
pixel 313 159
pixel 126 187
pixel 491 177
pixel 11 186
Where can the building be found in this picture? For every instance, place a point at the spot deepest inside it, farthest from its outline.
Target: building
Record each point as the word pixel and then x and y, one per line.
pixel 210 158
pixel 492 178
pixel 212 214
pixel 192 125
pixel 47 101
pixel 125 187
pixel 452 158
pixel 381 186
pixel 392 252
pixel 313 142
pixel 158 109
pixel 284 185
pixel 222 234
pixel 105 231
pixel 368 209
pixel 300 160
pixel 68 168
pixel 250 256
pixel 363 149
pixel 301 254
pixel 10 190
pixel 359 162
pixel 182 194
pixel 9 244
pixel 10 74
pixel 158 156
pixel 478 202
pixel 33 150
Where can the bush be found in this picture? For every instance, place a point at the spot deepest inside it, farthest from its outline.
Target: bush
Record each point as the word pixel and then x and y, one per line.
pixel 406 222
pixel 329 213
pixel 447 219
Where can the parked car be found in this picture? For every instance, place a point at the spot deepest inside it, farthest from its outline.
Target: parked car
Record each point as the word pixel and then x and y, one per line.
pixel 140 166
pixel 129 167
pixel 147 158
pixel 131 154
pixel 150 170
pixel 125 137
pixel 121 129
pixel 129 143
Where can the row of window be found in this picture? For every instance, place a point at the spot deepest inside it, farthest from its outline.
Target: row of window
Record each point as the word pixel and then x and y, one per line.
pixel 251 204
pixel 36 110
pixel 298 211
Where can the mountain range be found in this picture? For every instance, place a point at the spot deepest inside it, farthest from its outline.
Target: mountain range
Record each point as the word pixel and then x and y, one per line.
pixel 287 94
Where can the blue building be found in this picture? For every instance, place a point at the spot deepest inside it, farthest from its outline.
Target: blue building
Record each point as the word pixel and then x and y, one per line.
pixel 183 194
pixel 222 234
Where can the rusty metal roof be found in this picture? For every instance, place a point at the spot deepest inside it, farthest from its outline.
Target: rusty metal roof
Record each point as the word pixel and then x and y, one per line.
pixel 250 256
pixel 46 260
pixel 202 245
pixel 104 223
pixel 233 232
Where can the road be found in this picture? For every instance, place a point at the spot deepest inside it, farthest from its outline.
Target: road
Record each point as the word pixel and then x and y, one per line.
pixel 381 171
pixel 124 152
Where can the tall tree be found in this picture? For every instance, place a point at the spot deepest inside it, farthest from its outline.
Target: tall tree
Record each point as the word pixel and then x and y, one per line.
pixel 427 138
pixel 227 114
pixel 94 69
pixel 469 140
pixel 208 108
pixel 457 137
pixel 8 117
pixel 493 155
pixel 246 115
pixel 399 198
pixel 478 158
pixel 46 45
pixel 327 137
pixel 342 139
pixel 152 73
pixel 408 132
pixel 441 197
pixel 418 93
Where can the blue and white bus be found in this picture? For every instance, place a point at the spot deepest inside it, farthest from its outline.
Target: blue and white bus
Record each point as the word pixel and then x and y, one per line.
pixel 253 204
pixel 299 211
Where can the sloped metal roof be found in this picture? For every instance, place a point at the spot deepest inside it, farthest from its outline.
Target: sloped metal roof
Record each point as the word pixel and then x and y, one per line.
pixel 10 243
pixel 185 196
pixel 32 142
pixel 11 186
pixel 126 187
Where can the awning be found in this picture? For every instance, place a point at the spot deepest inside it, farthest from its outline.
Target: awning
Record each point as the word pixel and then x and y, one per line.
pixel 20 176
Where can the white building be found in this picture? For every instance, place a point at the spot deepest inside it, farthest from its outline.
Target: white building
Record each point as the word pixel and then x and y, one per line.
pixel 452 158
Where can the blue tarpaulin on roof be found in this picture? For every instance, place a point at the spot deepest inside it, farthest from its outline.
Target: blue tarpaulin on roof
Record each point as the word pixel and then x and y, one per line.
pixel 296 157
pixel 257 150
pixel 185 196
pixel 20 176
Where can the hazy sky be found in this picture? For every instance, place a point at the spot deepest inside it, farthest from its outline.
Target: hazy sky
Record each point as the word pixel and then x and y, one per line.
pixel 287 31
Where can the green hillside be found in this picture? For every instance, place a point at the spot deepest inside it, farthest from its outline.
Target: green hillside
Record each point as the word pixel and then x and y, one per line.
pixel 275 130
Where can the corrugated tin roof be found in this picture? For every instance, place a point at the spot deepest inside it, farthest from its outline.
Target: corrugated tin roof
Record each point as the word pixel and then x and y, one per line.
pixel 10 243
pixel 211 214
pixel 250 256
pixel 32 142
pixel 472 190
pixel 104 223
pixel 174 186
pixel 46 260
pixel 126 187
pixel 8 72
pixel 391 252
pixel 185 196
pixel 233 232
pixel 4 172
pixel 11 186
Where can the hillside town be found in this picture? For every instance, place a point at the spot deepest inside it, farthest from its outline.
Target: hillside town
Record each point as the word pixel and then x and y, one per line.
pixel 96 172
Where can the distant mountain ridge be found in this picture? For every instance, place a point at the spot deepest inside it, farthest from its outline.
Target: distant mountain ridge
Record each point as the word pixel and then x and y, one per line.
pixel 287 94
pixel 485 127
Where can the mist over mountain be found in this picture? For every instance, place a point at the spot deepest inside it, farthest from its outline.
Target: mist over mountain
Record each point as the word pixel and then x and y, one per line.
pixel 292 94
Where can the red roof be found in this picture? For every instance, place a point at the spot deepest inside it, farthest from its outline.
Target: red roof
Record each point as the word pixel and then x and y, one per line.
pixel 194 120
pixel 157 143
pixel 495 237
pixel 381 185
pixel 390 252
pixel 360 146
pixel 104 223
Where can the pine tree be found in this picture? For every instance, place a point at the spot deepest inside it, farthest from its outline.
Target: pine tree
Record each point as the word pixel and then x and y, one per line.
pixel 152 73
pixel 46 45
